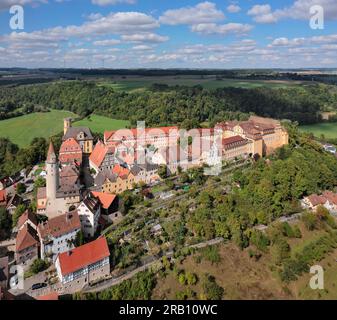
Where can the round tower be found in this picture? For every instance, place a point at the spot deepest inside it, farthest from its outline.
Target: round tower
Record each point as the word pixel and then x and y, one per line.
pixel 66 124
pixel 52 178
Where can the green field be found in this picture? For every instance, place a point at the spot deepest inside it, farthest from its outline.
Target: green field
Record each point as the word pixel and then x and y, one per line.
pixel 328 129
pixel 100 124
pixel 143 83
pixel 22 130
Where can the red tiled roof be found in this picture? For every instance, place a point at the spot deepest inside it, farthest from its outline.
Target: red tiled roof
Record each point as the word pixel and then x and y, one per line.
pixel 27 215
pixel 105 199
pixel 120 171
pixel 98 154
pixel 70 151
pixel 51 297
pixel 60 225
pixel 70 145
pixel 234 139
pixel 3 195
pixel 132 133
pixel 26 238
pixel 316 200
pixel 83 256
pixel 331 197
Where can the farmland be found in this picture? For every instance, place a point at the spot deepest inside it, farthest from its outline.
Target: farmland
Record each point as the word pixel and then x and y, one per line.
pixel 100 124
pixel 22 130
pixel 329 130
pixel 208 82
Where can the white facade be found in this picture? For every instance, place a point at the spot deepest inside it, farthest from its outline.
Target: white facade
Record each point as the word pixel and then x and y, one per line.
pixel 89 219
pixel 52 246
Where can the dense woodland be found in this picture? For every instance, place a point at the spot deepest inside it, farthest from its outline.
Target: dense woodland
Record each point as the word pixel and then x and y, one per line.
pixel 163 105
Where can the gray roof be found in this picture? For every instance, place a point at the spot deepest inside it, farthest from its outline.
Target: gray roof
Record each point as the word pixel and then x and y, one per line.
pixel 103 175
pixel 72 132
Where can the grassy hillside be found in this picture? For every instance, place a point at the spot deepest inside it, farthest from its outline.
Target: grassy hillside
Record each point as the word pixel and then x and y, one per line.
pixel 100 124
pixel 244 277
pixel 328 129
pixel 22 130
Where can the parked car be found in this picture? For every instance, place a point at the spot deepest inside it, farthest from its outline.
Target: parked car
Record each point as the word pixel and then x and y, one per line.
pixel 37 286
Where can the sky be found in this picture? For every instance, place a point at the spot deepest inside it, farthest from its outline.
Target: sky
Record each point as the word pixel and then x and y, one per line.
pixel 168 34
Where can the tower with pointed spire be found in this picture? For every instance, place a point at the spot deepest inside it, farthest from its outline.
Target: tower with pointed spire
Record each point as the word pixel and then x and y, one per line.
pixel 52 178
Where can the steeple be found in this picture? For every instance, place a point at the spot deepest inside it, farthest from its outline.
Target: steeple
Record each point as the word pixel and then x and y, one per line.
pixel 51 155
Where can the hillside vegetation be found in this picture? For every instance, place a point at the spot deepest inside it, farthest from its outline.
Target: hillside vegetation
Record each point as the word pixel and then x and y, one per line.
pixel 162 105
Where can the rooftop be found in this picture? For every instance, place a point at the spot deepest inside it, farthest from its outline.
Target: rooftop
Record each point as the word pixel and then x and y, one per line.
pixel 105 199
pixel 60 225
pixel 26 237
pixel 83 256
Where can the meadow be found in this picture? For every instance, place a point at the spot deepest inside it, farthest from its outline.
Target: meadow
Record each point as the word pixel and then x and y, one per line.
pixel 100 124
pixel 329 130
pixel 22 130
pixel 208 82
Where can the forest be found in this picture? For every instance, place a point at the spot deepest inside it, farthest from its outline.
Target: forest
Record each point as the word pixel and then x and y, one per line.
pixel 164 105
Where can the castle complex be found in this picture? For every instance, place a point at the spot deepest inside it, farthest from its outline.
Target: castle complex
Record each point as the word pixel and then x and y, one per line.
pixel 227 141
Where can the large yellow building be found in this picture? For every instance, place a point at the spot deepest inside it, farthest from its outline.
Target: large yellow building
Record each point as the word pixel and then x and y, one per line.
pixel 263 134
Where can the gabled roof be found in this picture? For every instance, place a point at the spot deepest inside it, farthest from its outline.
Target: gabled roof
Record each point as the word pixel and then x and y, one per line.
pixel 105 175
pixel 26 237
pixel 83 256
pixel 98 154
pixel 73 132
pixel 105 199
pixel 27 215
pixel 120 171
pixel 70 145
pixel 92 203
pixel 316 200
pixel 331 197
pixel 14 201
pixel 60 225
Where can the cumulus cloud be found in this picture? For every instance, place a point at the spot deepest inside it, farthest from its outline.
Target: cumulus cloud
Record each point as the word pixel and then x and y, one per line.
pixel 145 37
pixel 5 4
pixel 224 29
pixel 204 12
pixel 233 8
pixel 299 10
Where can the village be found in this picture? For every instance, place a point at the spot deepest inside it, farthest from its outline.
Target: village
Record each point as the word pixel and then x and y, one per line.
pixel 61 247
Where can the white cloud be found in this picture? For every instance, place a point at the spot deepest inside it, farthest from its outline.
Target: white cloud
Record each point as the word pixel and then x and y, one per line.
pixel 5 4
pixel 204 12
pixel 144 37
pixel 142 48
pixel 107 43
pixel 233 8
pixel 262 14
pixel 224 29
pixel 299 10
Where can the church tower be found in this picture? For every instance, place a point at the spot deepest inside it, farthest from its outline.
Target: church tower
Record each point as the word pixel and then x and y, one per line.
pixel 52 168
pixel 66 125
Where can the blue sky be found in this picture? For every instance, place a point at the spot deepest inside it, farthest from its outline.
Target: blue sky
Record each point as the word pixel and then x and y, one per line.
pixel 167 34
